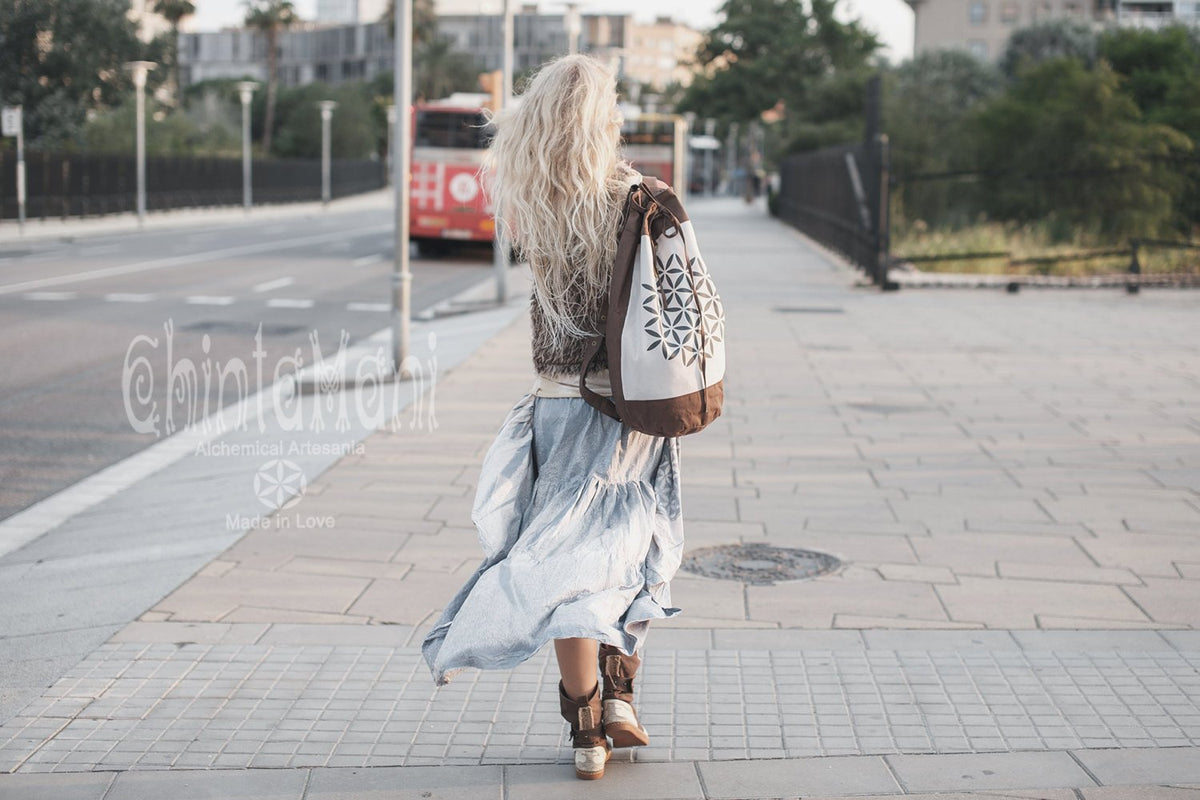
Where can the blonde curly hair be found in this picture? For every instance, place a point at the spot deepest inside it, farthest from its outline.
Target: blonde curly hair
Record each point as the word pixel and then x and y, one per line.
pixel 557 183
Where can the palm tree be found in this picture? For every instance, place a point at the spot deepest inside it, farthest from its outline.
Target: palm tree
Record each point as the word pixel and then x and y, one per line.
pixel 438 69
pixel 174 12
pixel 270 17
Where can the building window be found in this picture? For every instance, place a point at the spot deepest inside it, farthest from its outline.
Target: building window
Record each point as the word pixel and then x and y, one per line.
pixel 1010 13
pixel 978 48
pixel 978 12
pixel 1041 10
pixel 1071 9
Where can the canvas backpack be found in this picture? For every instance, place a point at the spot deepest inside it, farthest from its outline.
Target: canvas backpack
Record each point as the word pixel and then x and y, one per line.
pixel 662 323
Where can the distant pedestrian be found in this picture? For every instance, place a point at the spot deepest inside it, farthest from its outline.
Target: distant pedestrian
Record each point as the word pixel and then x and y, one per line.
pixel 578 515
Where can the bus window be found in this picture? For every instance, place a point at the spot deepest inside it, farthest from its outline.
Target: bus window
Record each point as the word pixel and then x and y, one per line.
pixel 459 130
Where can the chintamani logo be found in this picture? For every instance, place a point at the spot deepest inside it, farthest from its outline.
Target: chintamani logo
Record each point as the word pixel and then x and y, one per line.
pixel 279 483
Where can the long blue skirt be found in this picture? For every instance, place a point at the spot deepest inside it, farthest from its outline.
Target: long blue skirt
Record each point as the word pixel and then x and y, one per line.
pixel 580 522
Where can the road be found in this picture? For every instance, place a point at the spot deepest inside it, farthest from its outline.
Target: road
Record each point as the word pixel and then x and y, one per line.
pixel 71 310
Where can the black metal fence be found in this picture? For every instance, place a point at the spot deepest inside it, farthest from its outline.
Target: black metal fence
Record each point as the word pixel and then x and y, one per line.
pixel 77 185
pixel 839 196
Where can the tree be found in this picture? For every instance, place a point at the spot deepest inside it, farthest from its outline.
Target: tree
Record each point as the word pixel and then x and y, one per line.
pixel 424 20
pixel 1045 41
pixel 438 69
pixel 1161 70
pixel 353 132
pixel 61 59
pixel 270 17
pixel 765 51
pixel 174 12
pixel 927 102
pixel 1064 144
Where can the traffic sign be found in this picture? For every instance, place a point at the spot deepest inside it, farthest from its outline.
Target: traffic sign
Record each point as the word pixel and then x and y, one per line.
pixel 10 121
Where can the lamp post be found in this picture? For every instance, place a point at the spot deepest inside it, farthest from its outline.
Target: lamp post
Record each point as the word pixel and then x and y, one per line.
pixel 574 28
pixel 710 127
pixel 391 139
pixel 401 166
pixel 500 247
pixel 139 70
pixel 327 107
pixel 246 92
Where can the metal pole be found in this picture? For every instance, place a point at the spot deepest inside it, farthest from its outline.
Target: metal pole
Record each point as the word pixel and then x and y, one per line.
pixel 710 127
pixel 391 139
pixel 401 165
pixel 139 69
pixel 731 158
pixel 509 34
pixel 327 107
pixel 21 169
pixel 246 91
pixel 500 246
pixel 574 28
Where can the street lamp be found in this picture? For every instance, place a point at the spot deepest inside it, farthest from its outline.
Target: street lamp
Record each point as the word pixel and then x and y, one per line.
pixel 500 248
pixel 139 70
pixel 246 92
pixel 391 138
pixel 327 107
pixel 401 185
pixel 574 28
pixel 710 127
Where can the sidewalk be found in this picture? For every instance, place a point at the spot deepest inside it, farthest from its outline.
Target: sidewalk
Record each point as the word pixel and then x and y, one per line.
pixel 1011 484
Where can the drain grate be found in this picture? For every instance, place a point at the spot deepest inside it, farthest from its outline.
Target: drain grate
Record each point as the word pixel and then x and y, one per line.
pixel 809 310
pixel 758 563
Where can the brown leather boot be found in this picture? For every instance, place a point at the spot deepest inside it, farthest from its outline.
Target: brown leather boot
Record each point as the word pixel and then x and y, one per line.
pixel 620 721
pixel 592 750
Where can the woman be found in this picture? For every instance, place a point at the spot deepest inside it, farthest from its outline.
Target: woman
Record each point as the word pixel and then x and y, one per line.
pixel 578 515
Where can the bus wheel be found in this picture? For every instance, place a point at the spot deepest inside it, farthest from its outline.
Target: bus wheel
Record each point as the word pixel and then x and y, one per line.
pixel 429 247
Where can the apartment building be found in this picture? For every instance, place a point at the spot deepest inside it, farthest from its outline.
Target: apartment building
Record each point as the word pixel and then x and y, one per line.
pixel 660 53
pixel 983 26
pixel 652 54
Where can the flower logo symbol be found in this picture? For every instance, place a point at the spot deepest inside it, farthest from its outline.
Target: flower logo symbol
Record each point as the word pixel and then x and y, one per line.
pixel 279 482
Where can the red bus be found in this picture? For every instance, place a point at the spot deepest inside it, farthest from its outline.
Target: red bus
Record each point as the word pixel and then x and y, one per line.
pixel 656 145
pixel 447 201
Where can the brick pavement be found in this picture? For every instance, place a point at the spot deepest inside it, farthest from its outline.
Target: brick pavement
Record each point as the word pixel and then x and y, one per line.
pixel 1025 464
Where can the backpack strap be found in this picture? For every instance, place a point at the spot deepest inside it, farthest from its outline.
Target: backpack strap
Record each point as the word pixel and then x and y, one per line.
pixel 637 207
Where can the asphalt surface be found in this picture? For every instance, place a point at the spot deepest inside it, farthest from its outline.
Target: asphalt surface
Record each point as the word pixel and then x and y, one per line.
pixel 72 311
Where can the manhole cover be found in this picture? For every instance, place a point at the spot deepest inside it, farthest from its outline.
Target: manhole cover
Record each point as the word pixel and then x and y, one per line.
pixel 758 563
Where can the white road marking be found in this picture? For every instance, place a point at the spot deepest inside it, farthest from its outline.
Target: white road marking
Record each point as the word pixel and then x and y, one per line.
pixel 285 302
pixel 368 307
pixel 51 295
pixel 209 300
pixel 193 258
pixel 367 261
pixel 128 297
pixel 275 284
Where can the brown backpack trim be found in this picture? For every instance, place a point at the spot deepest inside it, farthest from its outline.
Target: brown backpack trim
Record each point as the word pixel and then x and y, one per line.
pixel 650 208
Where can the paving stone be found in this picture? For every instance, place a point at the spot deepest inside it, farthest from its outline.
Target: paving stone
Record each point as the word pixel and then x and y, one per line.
pixel 1150 766
pixel 267 784
pixel 1013 603
pixel 918 573
pixel 57 786
pixel 1141 793
pixel 789 777
pixel 405 783
pixel 948 772
pixel 644 780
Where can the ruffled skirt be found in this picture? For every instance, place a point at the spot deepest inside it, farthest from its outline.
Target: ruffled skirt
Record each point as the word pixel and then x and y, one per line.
pixel 580 522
